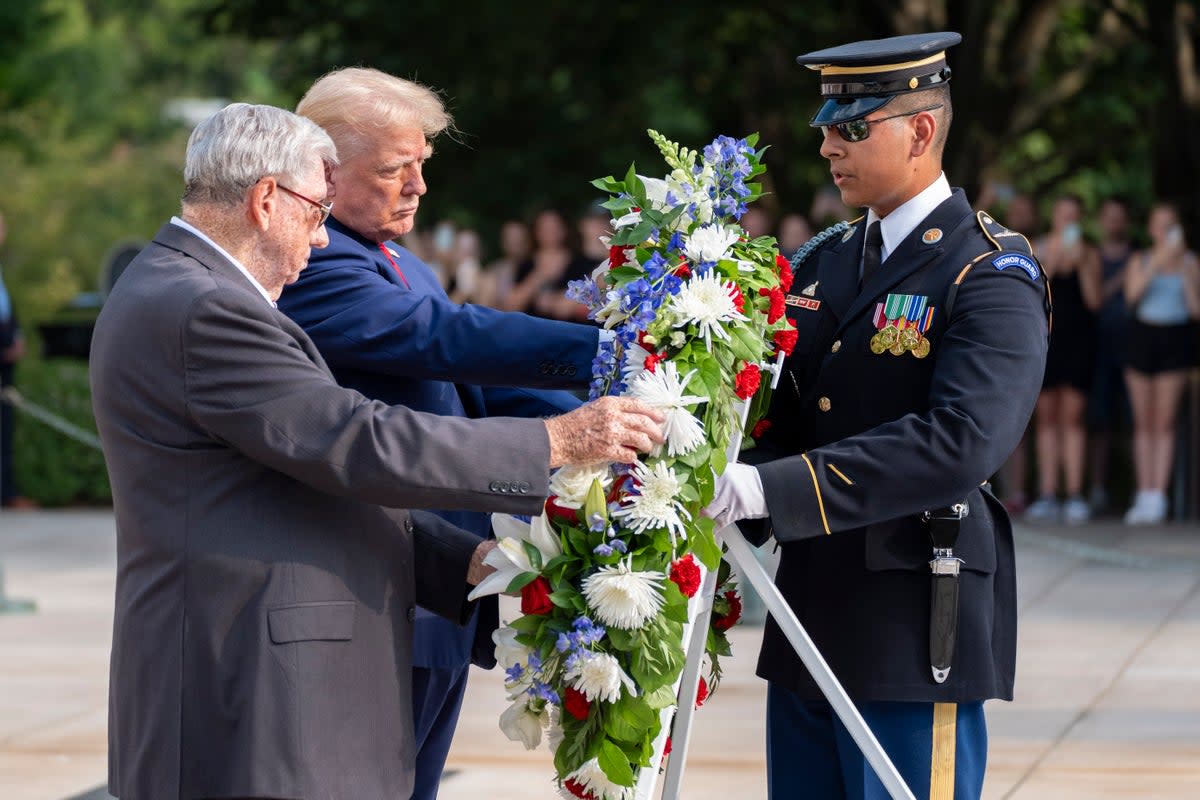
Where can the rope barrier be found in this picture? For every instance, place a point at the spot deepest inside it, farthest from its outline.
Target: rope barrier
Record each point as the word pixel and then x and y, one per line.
pixel 14 398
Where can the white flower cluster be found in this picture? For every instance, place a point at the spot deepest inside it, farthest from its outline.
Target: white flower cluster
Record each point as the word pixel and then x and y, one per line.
pixel 623 598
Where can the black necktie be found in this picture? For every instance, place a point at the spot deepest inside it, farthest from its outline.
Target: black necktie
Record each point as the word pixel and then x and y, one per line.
pixel 872 252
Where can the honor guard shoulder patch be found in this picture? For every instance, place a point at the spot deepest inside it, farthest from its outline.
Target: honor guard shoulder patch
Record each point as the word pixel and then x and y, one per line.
pixel 1017 260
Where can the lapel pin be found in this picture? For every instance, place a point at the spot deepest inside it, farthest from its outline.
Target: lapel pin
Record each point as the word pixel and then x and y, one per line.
pixel 810 290
pixel 932 236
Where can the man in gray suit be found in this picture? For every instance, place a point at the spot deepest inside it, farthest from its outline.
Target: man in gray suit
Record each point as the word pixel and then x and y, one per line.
pixel 266 582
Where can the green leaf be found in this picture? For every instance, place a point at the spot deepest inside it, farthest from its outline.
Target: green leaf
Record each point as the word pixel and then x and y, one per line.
pixel 688 493
pixel 704 546
pixel 615 764
pixel 660 698
pixel 697 457
pixel 718 643
pixel 534 555
pixel 564 598
pixel 520 582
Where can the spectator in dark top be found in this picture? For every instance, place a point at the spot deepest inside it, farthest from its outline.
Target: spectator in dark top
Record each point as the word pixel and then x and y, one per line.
pixel 794 231
pixel 1107 403
pixel 541 280
pixel 499 274
pixel 1073 269
pixel 1162 287
pixel 12 349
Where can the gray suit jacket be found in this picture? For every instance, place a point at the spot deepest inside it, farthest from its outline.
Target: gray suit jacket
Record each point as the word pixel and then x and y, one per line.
pixel 265 595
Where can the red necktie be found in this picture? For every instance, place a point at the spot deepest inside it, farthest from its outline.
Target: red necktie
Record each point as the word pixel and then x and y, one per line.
pixel 395 266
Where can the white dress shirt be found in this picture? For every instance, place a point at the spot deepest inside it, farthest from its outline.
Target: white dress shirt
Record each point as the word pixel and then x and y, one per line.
pixel 192 229
pixel 900 223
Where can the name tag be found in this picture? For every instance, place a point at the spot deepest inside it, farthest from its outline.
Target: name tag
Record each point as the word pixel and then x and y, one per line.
pixel 809 303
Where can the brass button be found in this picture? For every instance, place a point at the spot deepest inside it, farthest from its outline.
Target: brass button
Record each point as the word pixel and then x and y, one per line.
pixel 824 404
pixel 836 346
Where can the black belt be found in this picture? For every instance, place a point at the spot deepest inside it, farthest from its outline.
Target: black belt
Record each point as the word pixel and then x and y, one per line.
pixel 944 524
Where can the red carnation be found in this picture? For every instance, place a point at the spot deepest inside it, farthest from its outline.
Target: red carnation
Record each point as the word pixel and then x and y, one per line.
pixel 616 256
pixel 576 703
pixel 738 301
pixel 785 275
pixel 535 597
pixel 777 305
pixel 701 692
pixel 667 749
pixel 761 427
pixel 555 511
pixel 686 575
pixel 683 271
pixel 746 383
pixel 786 340
pixel 726 621
pixel 653 360
pixel 577 789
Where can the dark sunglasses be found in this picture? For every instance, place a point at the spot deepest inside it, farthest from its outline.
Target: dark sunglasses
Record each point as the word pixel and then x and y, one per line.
pixel 858 130
pixel 326 208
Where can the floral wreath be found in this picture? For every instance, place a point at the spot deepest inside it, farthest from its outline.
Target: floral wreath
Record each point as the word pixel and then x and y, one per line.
pixel 607 571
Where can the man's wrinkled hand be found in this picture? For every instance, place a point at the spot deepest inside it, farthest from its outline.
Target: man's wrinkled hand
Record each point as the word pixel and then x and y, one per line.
pixel 738 494
pixel 477 570
pixel 608 429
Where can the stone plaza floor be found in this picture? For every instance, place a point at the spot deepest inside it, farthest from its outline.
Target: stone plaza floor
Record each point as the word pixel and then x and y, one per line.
pixel 1107 705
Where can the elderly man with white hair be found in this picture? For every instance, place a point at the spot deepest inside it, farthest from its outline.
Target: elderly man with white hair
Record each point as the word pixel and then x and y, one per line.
pixel 267 574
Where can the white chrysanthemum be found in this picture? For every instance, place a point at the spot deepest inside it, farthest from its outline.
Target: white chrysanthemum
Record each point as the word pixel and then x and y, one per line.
pixel 554 731
pixel 710 243
pixel 592 779
pixel 707 301
pixel 663 389
pixel 571 484
pixel 508 650
pixel 656 505
pixel 522 724
pixel 634 361
pixel 599 677
pixel 622 598
pixel 509 557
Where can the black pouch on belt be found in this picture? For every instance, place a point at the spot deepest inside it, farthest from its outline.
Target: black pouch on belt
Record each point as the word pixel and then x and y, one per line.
pixel 943 612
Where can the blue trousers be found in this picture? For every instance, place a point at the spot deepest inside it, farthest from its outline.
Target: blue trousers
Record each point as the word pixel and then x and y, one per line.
pixel 939 749
pixel 437 698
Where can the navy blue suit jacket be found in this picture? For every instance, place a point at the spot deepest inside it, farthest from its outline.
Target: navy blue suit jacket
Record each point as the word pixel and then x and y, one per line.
pixel 401 340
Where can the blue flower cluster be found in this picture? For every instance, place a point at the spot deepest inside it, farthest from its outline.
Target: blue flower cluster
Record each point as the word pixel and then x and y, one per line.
pixel 584 633
pixel 613 545
pixel 537 688
pixel 727 157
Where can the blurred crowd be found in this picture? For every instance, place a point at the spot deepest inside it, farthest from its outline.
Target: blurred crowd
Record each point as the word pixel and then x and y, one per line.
pixel 1126 298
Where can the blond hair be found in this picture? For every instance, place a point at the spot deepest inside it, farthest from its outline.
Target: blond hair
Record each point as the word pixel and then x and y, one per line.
pixel 356 103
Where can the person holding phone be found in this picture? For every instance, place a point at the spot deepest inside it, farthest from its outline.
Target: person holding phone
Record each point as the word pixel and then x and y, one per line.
pixel 1073 268
pixel 1162 287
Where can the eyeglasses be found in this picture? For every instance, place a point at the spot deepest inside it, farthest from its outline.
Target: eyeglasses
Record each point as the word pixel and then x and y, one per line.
pixel 858 130
pixel 326 208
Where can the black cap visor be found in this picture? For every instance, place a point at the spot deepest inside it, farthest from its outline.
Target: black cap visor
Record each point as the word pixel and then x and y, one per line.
pixel 845 109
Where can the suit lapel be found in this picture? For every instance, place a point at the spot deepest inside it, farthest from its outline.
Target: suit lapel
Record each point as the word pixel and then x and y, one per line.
pixel 837 272
pixel 913 253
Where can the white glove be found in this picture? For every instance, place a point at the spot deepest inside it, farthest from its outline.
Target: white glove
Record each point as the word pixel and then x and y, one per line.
pixel 737 495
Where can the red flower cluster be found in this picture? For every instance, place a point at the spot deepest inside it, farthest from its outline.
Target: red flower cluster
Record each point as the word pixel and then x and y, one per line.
pixel 785 272
pixel 535 597
pixel 575 788
pixel 686 575
pixel 746 382
pixel 739 302
pixel 777 305
pixel 555 511
pixel 726 621
pixel 616 256
pixel 761 427
pixel 701 692
pixel 576 703
pixel 653 360
pixel 786 339
pixel 683 271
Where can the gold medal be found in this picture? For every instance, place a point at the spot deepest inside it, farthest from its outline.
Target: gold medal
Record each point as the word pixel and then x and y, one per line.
pixel 909 338
pixel 897 348
pixel 877 345
pixel 887 336
pixel 922 348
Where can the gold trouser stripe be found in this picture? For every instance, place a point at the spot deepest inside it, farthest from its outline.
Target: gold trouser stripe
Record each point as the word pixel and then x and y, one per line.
pixel 941 765
pixel 839 473
pixel 817 489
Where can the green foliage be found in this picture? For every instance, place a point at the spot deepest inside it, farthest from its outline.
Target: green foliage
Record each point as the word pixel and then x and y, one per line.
pixel 52 468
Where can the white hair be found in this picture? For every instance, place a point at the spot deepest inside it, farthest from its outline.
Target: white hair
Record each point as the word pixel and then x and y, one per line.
pixel 241 144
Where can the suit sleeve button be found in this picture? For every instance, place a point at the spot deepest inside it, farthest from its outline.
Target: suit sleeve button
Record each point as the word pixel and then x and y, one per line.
pixel 571 370
pixel 412 614
pixel 408 525
pixel 824 404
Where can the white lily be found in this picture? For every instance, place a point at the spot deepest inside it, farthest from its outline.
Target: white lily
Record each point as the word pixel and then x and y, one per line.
pixel 521 724
pixel 509 557
pixel 508 650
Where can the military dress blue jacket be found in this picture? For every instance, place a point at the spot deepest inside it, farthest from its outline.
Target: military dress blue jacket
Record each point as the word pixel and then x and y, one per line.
pixel 399 339
pixel 862 442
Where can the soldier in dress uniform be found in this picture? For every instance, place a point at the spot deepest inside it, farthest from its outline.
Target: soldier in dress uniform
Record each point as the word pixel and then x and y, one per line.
pixel 922 341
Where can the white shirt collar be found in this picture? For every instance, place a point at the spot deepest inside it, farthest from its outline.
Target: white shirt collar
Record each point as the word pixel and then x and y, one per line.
pixel 202 236
pixel 897 225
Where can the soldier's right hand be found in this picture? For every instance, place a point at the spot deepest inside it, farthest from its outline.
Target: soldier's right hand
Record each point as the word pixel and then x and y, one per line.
pixel 607 429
